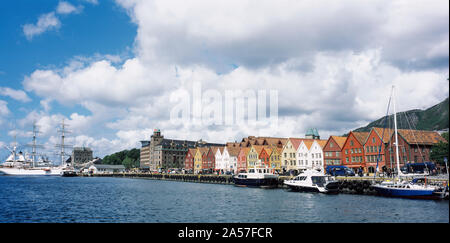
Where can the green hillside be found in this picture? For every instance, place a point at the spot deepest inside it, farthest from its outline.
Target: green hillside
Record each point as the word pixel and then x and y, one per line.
pixel 433 118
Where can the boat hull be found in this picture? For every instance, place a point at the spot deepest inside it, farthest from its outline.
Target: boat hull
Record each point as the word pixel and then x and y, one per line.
pixel 29 172
pixel 256 182
pixel 404 192
pixel 329 188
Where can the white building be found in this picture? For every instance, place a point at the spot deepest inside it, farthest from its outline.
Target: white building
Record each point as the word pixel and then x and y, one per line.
pixel 310 154
pixel 106 169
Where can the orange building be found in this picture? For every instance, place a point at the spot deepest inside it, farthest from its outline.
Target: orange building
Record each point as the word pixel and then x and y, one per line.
pixel 353 151
pixel 332 151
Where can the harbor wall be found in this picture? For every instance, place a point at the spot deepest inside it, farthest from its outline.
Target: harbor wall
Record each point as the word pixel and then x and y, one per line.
pixel 350 185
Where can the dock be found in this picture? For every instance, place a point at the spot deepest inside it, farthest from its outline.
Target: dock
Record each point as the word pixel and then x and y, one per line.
pixel 348 185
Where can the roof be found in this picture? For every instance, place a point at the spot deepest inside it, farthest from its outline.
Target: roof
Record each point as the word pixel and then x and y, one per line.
pixel 105 166
pixel 386 135
pixel 420 136
pixel 361 136
pixel 296 142
pixel 322 142
pixel 203 150
pixel 339 140
pixel 259 148
pixel 244 150
pixel 233 151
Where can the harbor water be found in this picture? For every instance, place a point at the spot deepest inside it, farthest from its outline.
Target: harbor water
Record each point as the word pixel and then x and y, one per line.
pixel 117 200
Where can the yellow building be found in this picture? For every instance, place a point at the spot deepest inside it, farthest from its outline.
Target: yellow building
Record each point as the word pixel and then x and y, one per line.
pixel 198 160
pixel 275 158
pixel 288 161
pixel 252 157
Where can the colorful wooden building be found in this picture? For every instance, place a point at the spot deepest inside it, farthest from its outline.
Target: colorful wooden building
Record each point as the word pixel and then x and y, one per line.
pixel 353 150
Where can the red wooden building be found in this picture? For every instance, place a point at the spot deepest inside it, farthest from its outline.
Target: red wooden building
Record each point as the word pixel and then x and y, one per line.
pixel 189 159
pixel 332 151
pixel 353 150
pixel 242 159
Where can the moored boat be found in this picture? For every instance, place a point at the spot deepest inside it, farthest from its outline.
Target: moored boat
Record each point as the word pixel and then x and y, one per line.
pixel 313 181
pixel 256 177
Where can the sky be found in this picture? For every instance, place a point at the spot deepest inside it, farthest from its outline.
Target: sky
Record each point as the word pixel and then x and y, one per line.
pixel 114 70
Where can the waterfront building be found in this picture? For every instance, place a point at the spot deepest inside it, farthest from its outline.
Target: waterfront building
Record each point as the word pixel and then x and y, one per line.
pixel 81 155
pixel 332 151
pixel 233 152
pixel 303 154
pixel 252 157
pixel 198 159
pixel 189 160
pixel 226 163
pixel 105 169
pixel 414 146
pixel 144 158
pixel 169 153
pixel 353 150
pixel 372 147
pixel 242 159
pixel 263 158
pixel 288 155
pixel 218 159
pixel 275 158
pixel 208 160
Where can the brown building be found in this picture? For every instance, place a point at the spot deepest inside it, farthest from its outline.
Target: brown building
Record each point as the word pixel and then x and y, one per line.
pixel 414 146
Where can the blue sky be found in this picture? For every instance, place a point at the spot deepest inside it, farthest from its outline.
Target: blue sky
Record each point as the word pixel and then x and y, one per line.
pixel 110 67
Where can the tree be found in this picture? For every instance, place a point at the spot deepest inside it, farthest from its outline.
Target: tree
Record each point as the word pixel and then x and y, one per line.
pixel 440 151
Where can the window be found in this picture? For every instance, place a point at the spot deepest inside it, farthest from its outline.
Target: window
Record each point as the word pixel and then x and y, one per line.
pixel 373 140
pixel 351 142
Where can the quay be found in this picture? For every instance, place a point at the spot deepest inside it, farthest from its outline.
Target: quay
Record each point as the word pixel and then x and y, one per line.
pixel 349 185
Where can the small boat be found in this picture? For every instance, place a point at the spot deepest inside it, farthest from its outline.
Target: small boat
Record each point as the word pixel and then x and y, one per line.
pixel 257 177
pixel 406 189
pixel 313 181
pixel 68 173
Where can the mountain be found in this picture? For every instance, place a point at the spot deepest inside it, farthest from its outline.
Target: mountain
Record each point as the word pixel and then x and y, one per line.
pixel 433 118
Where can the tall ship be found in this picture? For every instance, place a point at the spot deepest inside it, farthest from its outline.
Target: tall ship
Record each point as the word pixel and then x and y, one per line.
pixel 20 164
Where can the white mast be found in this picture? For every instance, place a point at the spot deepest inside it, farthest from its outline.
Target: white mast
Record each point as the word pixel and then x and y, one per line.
pixel 63 132
pixel 396 134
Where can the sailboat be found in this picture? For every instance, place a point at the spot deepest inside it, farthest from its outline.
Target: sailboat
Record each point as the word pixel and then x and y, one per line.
pixel 401 187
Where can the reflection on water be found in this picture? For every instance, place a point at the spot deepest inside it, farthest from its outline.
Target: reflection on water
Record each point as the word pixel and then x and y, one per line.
pixel 82 199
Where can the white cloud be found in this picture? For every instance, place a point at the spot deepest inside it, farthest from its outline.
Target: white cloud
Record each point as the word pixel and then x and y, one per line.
pixel 19 95
pixel 45 22
pixel 4 108
pixel 67 8
pixel 333 67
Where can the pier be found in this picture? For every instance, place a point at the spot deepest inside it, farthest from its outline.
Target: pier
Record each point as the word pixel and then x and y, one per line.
pixel 349 185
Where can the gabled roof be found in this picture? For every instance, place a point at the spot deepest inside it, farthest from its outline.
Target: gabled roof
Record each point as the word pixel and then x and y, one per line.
pixel 361 136
pixel 244 150
pixel 386 135
pixel 339 140
pixel 296 142
pixel 203 150
pixel 259 148
pixel 308 143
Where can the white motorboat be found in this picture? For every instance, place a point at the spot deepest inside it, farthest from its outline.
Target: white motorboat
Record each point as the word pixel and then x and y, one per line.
pixel 257 177
pixel 313 181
